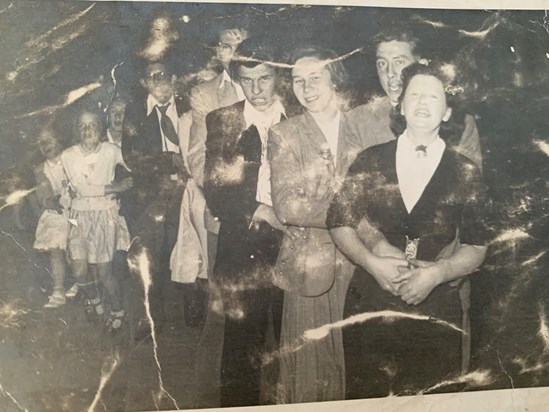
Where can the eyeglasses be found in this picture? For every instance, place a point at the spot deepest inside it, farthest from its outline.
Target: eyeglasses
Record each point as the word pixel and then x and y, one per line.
pixel 157 77
pixel 94 127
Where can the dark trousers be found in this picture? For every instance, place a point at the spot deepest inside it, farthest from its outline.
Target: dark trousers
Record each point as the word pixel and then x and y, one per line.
pixel 243 268
pixel 244 345
pixel 156 229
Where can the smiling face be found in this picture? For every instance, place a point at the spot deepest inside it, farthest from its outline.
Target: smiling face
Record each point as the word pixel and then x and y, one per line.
pixel 258 84
pixel 424 103
pixel 391 58
pixel 88 130
pixel 312 84
pixel 47 143
pixel 158 82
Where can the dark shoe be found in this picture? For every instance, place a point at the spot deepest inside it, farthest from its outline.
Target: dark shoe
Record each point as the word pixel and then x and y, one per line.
pixel 93 308
pixel 115 321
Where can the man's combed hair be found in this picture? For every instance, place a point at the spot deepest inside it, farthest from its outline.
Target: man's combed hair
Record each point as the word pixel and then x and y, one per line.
pixel 252 52
pixel 399 33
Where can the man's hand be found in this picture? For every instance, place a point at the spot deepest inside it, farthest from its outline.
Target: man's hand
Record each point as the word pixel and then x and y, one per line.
pixel 179 165
pixel 265 213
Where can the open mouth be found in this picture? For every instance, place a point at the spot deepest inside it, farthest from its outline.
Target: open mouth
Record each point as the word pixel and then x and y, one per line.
pixel 394 87
pixel 311 99
pixel 422 113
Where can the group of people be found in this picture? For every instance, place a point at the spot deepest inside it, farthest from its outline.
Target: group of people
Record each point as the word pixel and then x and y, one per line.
pixel 284 218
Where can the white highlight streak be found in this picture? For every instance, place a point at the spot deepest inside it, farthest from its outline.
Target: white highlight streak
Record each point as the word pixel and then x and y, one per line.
pixel 481 377
pixel 41 40
pixel 141 265
pixel 105 376
pixel 14 197
pixel 511 234
pixel 8 395
pixel 543 146
pixel 543 331
pixel 323 331
pixel 70 98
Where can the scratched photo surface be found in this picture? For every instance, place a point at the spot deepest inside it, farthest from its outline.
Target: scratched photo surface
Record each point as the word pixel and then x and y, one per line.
pixel 178 308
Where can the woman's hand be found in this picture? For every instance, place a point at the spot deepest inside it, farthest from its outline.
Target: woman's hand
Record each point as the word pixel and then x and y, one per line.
pixel 384 249
pixel 416 284
pixel 385 270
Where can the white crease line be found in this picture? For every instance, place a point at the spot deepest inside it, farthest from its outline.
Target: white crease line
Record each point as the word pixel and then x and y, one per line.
pixel 43 37
pixel 9 395
pixel 481 377
pixel 140 264
pixel 105 376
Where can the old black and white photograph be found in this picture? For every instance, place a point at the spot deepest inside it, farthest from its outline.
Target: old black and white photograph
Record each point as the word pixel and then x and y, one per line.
pixel 214 205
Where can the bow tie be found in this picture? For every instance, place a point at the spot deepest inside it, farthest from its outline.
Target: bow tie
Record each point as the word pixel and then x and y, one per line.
pixel 421 151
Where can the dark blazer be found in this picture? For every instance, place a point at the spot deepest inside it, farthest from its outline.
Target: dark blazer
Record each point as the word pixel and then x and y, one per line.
pixel 142 152
pixel 233 158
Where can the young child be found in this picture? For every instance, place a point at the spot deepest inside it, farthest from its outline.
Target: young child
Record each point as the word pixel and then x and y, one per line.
pixel 53 198
pixel 90 167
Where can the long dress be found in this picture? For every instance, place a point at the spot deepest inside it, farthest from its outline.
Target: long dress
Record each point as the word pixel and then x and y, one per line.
pixel 395 356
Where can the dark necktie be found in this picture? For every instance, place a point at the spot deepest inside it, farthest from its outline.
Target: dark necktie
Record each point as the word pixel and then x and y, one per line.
pixel 167 126
pixel 249 145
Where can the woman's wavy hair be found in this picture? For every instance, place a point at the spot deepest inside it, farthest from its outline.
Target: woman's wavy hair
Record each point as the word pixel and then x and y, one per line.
pixel 451 130
pixel 338 73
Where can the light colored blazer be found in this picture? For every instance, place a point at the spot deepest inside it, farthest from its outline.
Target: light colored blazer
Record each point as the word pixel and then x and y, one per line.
pixel 307 259
pixel 205 98
pixel 189 258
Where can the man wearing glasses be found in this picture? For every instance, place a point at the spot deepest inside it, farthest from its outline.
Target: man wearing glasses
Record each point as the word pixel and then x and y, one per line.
pixel 150 147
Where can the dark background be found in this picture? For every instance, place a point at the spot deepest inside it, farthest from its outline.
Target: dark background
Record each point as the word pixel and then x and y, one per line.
pixel 504 71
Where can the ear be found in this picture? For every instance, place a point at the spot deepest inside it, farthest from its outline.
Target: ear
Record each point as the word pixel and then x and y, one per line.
pixel 447 114
pixel 143 83
pixel 174 79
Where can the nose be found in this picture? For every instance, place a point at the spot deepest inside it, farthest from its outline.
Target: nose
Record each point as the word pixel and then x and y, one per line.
pixel 422 98
pixel 256 88
pixel 307 85
pixel 391 70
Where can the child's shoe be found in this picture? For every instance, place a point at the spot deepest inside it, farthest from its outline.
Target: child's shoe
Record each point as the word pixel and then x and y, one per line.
pixel 57 299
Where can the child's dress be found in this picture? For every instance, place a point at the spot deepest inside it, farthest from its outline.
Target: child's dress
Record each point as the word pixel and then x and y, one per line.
pixel 100 229
pixel 52 230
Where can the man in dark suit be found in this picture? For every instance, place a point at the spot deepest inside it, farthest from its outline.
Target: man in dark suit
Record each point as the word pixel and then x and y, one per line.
pixel 150 147
pixel 237 190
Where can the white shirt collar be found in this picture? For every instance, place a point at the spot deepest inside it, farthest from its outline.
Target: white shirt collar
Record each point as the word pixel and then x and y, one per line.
pixel 406 146
pixel 152 103
pixel 264 119
pixel 226 78
pixel 237 87
pixel 414 171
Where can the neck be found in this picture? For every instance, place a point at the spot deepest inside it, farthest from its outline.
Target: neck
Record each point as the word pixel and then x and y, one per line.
pixel 54 159
pixel 116 135
pixel 328 114
pixel 90 149
pixel 421 137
